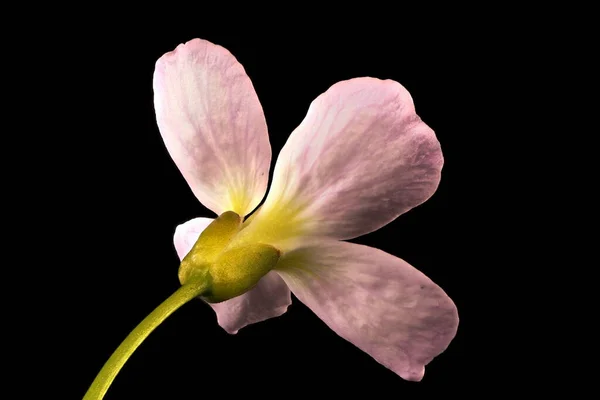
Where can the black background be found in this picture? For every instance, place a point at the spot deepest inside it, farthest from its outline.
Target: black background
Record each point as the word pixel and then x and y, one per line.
pixel 126 197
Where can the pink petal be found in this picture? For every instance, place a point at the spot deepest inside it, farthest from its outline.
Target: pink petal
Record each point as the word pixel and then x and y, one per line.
pixel 359 159
pixel 268 299
pixel 213 125
pixel 376 301
pixel 188 233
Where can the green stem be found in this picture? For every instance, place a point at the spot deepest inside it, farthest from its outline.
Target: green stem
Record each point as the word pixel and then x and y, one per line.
pixel 114 364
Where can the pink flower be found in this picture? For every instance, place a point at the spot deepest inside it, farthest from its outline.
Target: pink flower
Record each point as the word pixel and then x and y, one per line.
pixel 359 159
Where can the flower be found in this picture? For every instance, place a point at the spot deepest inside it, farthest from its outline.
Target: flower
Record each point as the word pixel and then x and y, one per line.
pixel 360 158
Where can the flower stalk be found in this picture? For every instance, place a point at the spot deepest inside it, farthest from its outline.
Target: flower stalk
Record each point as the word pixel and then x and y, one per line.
pixel 192 288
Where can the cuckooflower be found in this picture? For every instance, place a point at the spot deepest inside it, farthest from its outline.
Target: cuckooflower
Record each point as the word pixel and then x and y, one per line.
pixel 360 158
